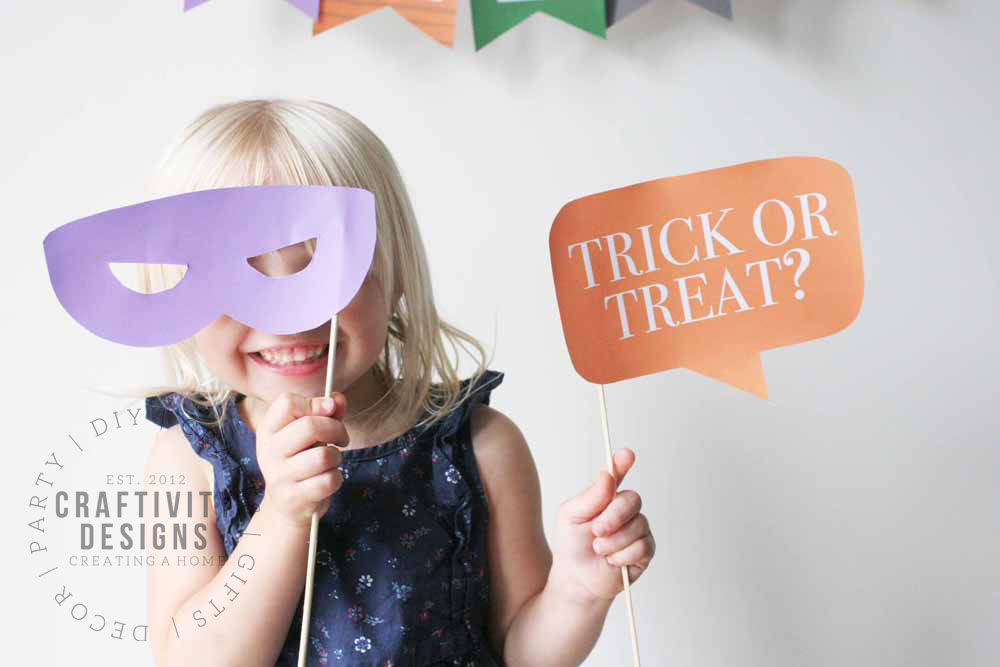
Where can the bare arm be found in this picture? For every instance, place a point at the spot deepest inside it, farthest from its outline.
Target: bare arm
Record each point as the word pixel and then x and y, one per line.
pixel 237 613
pixel 549 610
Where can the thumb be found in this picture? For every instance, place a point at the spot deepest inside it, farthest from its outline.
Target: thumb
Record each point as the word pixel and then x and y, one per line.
pixel 329 406
pixel 591 501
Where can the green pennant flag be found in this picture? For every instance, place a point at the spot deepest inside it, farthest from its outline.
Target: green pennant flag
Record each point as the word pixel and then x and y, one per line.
pixel 492 18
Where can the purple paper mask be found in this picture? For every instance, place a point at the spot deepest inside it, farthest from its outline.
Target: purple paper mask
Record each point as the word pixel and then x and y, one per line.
pixel 214 233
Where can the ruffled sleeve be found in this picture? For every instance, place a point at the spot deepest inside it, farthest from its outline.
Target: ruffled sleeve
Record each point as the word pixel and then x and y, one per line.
pixel 457 485
pixel 454 439
pixel 231 499
pixel 158 412
pixel 458 418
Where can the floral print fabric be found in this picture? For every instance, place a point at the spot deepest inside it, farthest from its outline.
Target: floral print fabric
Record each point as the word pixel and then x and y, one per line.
pixel 401 569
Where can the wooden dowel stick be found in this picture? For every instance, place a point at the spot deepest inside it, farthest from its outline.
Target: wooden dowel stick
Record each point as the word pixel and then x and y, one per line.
pixel 611 469
pixel 331 357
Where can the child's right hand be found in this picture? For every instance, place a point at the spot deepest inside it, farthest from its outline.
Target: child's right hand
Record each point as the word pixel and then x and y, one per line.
pixel 300 472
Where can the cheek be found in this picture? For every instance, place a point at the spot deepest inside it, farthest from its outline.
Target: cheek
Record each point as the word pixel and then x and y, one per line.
pixel 218 345
pixel 373 327
pixel 366 318
pixel 378 328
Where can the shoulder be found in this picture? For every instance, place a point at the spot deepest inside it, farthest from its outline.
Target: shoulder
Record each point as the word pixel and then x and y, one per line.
pixel 493 430
pixel 171 454
pixel 502 454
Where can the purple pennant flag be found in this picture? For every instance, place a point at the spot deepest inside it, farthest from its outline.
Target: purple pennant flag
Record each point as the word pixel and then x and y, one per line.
pixel 309 7
pixel 619 9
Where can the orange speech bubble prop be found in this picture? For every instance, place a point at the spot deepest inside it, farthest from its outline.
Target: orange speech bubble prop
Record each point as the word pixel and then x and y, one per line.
pixel 705 270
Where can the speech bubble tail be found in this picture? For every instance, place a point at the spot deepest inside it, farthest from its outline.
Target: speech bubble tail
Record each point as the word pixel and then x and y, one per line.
pixel 743 372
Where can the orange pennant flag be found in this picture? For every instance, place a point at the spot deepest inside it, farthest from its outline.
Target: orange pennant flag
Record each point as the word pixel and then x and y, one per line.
pixel 434 17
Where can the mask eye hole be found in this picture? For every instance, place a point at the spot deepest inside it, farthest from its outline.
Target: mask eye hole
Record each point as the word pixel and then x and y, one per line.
pixel 285 261
pixel 146 278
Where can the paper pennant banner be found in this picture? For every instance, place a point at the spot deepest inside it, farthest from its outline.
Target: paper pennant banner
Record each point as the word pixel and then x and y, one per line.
pixel 310 7
pixel 434 17
pixel 214 233
pixel 619 9
pixel 703 271
pixel 492 18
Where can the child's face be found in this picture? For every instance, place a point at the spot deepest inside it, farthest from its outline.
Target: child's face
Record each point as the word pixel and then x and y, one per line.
pixel 232 350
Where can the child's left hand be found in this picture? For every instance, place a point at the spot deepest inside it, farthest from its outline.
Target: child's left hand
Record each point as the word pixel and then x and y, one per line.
pixel 597 532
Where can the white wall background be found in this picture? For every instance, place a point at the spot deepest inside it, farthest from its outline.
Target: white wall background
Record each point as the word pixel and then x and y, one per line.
pixel 849 521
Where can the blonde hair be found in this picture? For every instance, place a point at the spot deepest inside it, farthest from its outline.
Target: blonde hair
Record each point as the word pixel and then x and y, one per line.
pixel 276 142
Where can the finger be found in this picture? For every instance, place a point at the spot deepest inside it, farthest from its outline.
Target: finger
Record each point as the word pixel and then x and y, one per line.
pixel 321 486
pixel 590 501
pixel 313 461
pixel 618 512
pixel 284 409
pixel 635 529
pixel 635 570
pixel 339 403
pixel 623 460
pixel 637 553
pixel 305 432
pixel 289 406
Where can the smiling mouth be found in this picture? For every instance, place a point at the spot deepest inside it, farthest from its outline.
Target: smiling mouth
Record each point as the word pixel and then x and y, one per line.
pixel 299 357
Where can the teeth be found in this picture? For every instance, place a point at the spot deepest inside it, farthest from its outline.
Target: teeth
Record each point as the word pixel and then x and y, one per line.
pixel 299 355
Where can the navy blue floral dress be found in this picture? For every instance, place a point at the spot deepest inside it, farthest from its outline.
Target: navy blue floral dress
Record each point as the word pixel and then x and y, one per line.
pixel 401 571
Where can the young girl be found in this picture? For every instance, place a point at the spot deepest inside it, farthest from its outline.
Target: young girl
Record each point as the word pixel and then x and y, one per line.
pixel 431 543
